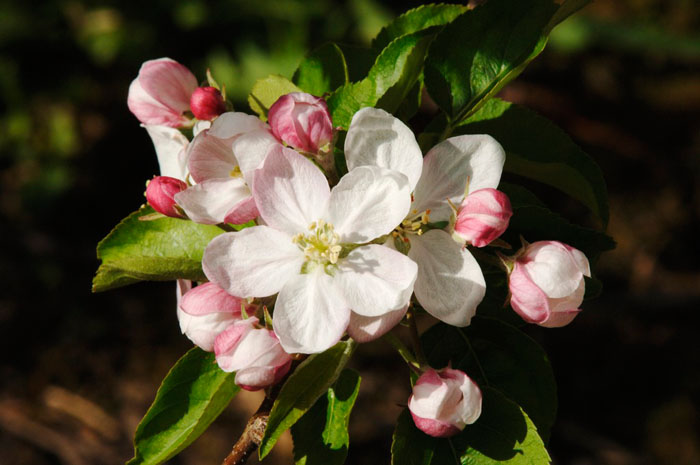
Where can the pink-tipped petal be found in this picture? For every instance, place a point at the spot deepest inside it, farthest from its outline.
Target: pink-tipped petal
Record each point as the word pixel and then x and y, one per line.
pixel 368 328
pixel 243 212
pixel 211 158
pixel 483 216
pixel 528 300
pixel 168 82
pixel 210 298
pixel 160 194
pixel 302 121
pixel 211 201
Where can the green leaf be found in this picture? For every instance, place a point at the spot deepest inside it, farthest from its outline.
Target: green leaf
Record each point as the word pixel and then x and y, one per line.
pixel 310 380
pixel 266 91
pixel 388 83
pixel 415 20
pixel 539 150
pixel 565 10
pixel 323 70
pixel 192 395
pixel 159 250
pixel 475 55
pixel 500 356
pixel 321 436
pixel 503 434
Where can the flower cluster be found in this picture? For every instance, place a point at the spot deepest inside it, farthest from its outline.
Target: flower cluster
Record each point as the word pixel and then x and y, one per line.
pixel 333 255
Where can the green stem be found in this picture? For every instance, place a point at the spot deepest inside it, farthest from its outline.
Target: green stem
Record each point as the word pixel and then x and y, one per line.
pixel 401 348
pixel 415 337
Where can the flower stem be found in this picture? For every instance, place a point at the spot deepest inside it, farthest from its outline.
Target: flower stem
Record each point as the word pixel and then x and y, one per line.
pixel 415 338
pixel 225 227
pixel 402 349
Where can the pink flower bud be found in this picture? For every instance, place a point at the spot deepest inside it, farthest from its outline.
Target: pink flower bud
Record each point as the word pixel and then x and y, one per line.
pixel 206 311
pixel 207 103
pixel 161 93
pixel 160 194
pixel 255 354
pixel 483 216
pixel 302 121
pixel 547 284
pixel 444 402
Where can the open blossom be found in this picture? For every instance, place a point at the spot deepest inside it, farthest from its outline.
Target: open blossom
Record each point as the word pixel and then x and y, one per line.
pixel 483 217
pixel 255 354
pixel 161 93
pixel 444 402
pixel 547 284
pixel 302 121
pixel 221 193
pixel 450 283
pixel 205 311
pixel 160 192
pixel 313 249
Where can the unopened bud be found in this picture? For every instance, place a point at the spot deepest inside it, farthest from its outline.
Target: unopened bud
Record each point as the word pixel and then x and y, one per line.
pixel 444 402
pixel 483 216
pixel 160 194
pixel 207 103
pixel 302 121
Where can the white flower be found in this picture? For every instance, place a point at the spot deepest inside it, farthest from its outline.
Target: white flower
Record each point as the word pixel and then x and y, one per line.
pixel 314 249
pixel 450 283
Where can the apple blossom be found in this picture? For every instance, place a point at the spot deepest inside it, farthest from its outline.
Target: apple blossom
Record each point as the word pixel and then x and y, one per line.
pixel 314 249
pixel 160 95
pixel 450 283
pixel 483 217
pixel 444 402
pixel 255 354
pixel 547 284
pixel 302 121
pixel 205 311
pixel 160 193
pixel 207 103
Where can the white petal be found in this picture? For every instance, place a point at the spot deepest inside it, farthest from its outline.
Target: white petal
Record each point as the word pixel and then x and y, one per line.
pixel 210 201
pixel 376 280
pixel 553 269
pixel 232 124
pixel 368 328
pixel 290 191
pixel 377 138
pixel 450 283
pixel 251 148
pixel 253 262
pixel 170 147
pixel 447 167
pixel 368 202
pixel 200 126
pixel 210 157
pixel 310 315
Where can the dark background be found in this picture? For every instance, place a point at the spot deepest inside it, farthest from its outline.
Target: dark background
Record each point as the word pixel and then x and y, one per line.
pixel 78 370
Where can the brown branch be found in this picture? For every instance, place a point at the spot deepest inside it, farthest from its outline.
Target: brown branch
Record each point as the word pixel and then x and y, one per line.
pixel 255 428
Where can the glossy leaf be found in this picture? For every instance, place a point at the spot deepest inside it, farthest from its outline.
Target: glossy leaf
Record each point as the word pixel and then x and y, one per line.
pixel 539 150
pixel 310 380
pixel 192 395
pixel 475 55
pixel 390 80
pixel 266 91
pixel 158 250
pixel 415 20
pixel 503 434
pixel 321 436
pixel 498 355
pixel 323 70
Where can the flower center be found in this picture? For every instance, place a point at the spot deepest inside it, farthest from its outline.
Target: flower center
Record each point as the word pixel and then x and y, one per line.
pixel 321 246
pixel 414 224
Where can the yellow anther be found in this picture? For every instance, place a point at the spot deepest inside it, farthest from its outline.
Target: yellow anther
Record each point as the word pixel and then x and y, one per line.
pixel 312 226
pixel 236 172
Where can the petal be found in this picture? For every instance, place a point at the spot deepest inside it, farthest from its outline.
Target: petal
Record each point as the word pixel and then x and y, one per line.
pixel 368 202
pixel 310 315
pixel 150 111
pixel 376 280
pixel 251 148
pixel 242 212
pixel 203 330
pixel 290 191
pixel 226 345
pixel 559 319
pixel 552 268
pixel 377 138
pixel 580 259
pixel 170 147
pixel 528 300
pixel 564 310
pixel 200 126
pixel 447 167
pixel 368 328
pixel 210 298
pixel 211 157
pixel 168 82
pixel 253 262
pixel 450 283
pixel 211 201
pixel 234 123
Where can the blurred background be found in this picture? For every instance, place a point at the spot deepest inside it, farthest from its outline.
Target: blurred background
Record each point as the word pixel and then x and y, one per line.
pixel 79 370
